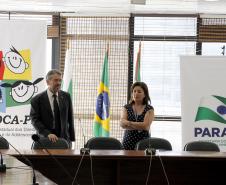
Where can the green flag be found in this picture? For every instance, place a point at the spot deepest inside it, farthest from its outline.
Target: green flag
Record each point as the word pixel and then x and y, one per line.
pixel 67 78
pixel 137 69
pixel 212 108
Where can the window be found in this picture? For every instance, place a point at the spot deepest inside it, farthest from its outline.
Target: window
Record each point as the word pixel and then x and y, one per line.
pixel 89 37
pixel 160 57
pixel 164 40
pixel 213 48
pixel 160 70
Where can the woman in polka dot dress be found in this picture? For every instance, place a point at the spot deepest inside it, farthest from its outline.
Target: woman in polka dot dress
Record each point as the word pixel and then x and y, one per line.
pixel 137 116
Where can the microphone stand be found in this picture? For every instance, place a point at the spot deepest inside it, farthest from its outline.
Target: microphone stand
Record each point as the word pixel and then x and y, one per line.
pixel 2 165
pixel 149 150
pixel 84 150
pixel 27 160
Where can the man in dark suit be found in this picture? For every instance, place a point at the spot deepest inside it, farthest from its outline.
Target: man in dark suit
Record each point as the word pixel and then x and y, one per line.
pixel 51 111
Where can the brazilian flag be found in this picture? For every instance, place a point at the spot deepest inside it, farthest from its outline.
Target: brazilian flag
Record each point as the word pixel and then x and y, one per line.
pixel 101 118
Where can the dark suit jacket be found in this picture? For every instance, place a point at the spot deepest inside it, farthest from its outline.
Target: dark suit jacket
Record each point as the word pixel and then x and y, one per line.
pixel 42 116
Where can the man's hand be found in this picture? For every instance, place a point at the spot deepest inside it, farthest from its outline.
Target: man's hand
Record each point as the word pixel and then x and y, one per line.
pixel 52 137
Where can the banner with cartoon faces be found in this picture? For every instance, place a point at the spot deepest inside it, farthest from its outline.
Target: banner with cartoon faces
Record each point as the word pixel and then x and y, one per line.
pixel 22 52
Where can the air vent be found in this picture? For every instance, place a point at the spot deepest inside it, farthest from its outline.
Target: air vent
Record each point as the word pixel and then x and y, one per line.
pixel 138 2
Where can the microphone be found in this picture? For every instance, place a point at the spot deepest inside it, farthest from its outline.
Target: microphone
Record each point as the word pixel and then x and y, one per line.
pixel 36 138
pixel 84 150
pixel 152 151
pixel 149 150
pixel 2 165
pixel 27 160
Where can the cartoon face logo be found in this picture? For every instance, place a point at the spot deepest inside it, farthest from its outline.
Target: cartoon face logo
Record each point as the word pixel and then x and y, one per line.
pixel 15 62
pixel 22 91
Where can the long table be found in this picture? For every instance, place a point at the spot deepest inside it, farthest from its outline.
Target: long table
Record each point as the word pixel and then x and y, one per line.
pixel 17 173
pixel 120 167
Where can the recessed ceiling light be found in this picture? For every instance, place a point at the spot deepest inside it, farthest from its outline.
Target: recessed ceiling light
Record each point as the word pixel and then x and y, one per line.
pixel 138 2
pixel 211 0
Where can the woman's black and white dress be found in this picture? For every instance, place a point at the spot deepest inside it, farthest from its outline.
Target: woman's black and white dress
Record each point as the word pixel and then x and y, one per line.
pixel 132 137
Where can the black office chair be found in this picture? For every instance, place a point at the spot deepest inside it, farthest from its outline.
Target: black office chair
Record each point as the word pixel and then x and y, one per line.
pixel 201 146
pixel 4 143
pixel 154 142
pixel 104 143
pixel 45 143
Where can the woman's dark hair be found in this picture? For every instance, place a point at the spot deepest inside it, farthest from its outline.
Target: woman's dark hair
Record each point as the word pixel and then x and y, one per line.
pixel 146 99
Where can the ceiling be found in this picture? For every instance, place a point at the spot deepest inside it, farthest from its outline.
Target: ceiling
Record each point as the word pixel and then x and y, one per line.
pixel 116 7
